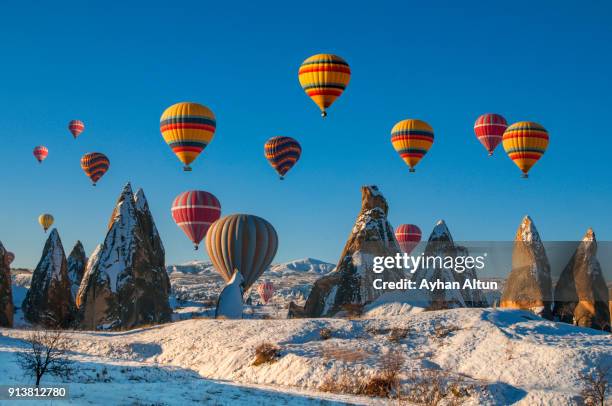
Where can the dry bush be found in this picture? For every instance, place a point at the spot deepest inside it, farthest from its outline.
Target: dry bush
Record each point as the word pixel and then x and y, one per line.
pixel 444 331
pixel 595 385
pixel 437 305
pixel 351 311
pixel 397 334
pixel 325 333
pixel 432 388
pixel 334 352
pixel 265 353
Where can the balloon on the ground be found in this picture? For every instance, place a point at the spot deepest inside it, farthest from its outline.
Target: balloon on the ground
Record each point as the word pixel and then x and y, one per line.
pixel 489 129
pixel 282 153
pixel 45 221
pixel 95 165
pixel 241 242
pixel 324 77
pixel 187 128
pixel 265 290
pixel 194 211
pixel 76 127
pixel 40 153
pixel 408 236
pixel 525 142
pixel 412 139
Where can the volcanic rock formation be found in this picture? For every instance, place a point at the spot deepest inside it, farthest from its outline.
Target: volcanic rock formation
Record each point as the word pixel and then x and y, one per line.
pixel 49 300
pixel 581 294
pixel 76 267
pixel 529 285
pixel 6 294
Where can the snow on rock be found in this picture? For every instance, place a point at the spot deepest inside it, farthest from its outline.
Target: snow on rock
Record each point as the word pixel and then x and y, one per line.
pixel 229 305
pixel 77 260
pixel 302 265
pixel 49 300
pixel 6 291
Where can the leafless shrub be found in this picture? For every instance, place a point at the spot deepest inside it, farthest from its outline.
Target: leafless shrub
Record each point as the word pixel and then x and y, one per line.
pixel 437 305
pixel 346 382
pixel 334 352
pixel 397 334
pixel 444 331
pixel 325 333
pixel 266 353
pixel 595 385
pixel 45 354
pixel 432 388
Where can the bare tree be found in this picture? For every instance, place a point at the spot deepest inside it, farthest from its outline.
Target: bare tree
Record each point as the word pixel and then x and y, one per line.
pixel 595 385
pixel 46 353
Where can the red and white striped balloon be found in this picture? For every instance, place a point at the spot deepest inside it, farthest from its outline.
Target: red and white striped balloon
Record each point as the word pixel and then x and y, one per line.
pixel 76 127
pixel 489 129
pixel 408 236
pixel 194 211
pixel 265 290
pixel 40 153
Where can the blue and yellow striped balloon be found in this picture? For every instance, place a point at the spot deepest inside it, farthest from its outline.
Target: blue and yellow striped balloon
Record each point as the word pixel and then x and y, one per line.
pixel 282 153
pixel 412 139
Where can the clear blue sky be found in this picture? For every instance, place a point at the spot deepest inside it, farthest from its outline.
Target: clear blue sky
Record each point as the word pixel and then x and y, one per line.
pixel 117 67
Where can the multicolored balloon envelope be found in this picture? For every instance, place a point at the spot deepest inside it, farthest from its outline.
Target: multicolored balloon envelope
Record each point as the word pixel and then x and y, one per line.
pixel 76 127
pixel 282 153
pixel 187 128
pixel 412 139
pixel 40 153
pixel 95 165
pixel 265 290
pixel 194 211
pixel 45 221
pixel 324 77
pixel 408 236
pixel 244 243
pixel 525 142
pixel 489 129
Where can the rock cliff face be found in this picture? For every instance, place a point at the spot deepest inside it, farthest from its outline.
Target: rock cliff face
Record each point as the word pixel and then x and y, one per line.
pixel 49 300
pixel 125 283
pixel 76 267
pixel 349 287
pixel 6 294
pixel 581 294
pixel 441 249
pixel 529 285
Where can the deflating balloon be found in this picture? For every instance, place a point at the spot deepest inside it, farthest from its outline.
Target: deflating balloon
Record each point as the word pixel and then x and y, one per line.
pixel 187 128
pixel 95 165
pixel 194 211
pixel 324 77
pixel 412 139
pixel 40 153
pixel 76 127
pixel 282 153
pixel 46 221
pixel 408 236
pixel 489 129
pixel 241 242
pixel 525 142
pixel 265 290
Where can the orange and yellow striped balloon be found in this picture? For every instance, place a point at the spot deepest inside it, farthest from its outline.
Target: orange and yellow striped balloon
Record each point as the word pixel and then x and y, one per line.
pixel 45 221
pixel 525 142
pixel 324 77
pixel 188 128
pixel 412 139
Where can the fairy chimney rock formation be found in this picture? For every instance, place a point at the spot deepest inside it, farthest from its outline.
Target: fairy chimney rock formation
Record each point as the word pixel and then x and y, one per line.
pixel 350 286
pixel 125 283
pixel 6 294
pixel 529 285
pixel 76 267
pixel 581 294
pixel 49 300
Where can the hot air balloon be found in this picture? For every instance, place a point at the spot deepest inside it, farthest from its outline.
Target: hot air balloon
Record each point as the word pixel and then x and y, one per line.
pixel 282 153
pixel 95 165
pixel 187 128
pixel 525 142
pixel 46 221
pixel 408 236
pixel 9 257
pixel 40 153
pixel 241 242
pixel 412 139
pixel 76 127
pixel 324 77
pixel 489 129
pixel 194 211
pixel 265 290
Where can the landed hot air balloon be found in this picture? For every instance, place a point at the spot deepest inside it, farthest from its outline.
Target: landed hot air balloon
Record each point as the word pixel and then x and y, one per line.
pixel 95 165
pixel 282 153
pixel 408 236
pixel 194 211
pixel 525 142
pixel 244 243
pixel 412 139
pixel 489 129
pixel 76 127
pixel 187 128
pixel 46 221
pixel 40 153
pixel 265 290
pixel 324 77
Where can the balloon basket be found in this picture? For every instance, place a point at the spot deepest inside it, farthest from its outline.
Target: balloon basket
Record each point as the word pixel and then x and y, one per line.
pixel 412 170
pixel 187 169
pixel 490 153
pixel 195 247
pixel 524 176
pixel 324 114
pixel 282 178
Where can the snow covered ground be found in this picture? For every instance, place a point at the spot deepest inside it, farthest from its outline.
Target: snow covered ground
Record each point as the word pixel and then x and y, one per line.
pixel 499 356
